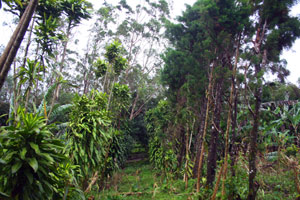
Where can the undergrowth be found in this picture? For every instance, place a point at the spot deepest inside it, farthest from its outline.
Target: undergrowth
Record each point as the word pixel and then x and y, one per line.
pixel 139 180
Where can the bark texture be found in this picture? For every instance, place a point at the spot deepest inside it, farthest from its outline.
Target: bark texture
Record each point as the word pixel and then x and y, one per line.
pixel 15 41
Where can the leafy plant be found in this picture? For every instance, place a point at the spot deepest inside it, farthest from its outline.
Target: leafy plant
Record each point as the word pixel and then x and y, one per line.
pixel 161 153
pixel 121 96
pixel 89 134
pixel 113 51
pixel 29 158
pixel 100 68
pixel 68 187
pixel 162 157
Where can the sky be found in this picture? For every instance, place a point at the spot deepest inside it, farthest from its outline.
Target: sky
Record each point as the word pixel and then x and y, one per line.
pixel 292 55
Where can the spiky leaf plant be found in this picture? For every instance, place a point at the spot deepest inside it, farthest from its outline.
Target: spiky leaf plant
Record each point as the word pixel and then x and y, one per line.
pixel 29 156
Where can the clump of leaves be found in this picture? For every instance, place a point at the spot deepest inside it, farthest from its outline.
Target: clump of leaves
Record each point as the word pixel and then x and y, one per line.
pixel 113 51
pixel 29 157
pixel 120 64
pixel 68 187
pixel 88 133
pixel 114 57
pixel 121 95
pixel 100 68
pixel 163 157
pixel 161 154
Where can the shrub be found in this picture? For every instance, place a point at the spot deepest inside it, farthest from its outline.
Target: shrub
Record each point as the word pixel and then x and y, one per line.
pixel 29 157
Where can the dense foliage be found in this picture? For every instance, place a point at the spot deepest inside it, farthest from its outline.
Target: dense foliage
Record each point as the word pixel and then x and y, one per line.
pixel 30 156
pixel 189 94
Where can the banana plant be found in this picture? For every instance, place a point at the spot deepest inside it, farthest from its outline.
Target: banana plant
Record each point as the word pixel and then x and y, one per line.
pixel 294 117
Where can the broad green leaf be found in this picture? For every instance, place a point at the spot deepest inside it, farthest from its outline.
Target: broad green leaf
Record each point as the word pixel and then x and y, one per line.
pixel 33 163
pixel 9 156
pixel 2 162
pixel 16 167
pixel 47 156
pixel 35 147
pixel 23 153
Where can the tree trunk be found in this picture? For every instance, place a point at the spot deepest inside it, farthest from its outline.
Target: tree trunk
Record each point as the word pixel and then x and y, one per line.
pixel 186 175
pixel 253 186
pixel 61 66
pixel 86 82
pixel 134 105
pixel 12 47
pixel 181 140
pixel 233 150
pixel 229 117
pixel 27 95
pixel 198 138
pixel 209 91
pixel 253 148
pixel 213 147
pixel 28 42
pixel 110 94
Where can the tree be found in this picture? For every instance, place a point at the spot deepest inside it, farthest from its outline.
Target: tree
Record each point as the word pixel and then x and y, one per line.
pixel 204 46
pixel 75 11
pixel 275 30
pixel 15 41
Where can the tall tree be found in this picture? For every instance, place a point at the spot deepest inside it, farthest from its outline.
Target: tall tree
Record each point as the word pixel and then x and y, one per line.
pixel 15 41
pixel 275 30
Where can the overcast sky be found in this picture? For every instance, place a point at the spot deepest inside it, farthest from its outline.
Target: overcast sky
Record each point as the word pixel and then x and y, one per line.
pixel 292 55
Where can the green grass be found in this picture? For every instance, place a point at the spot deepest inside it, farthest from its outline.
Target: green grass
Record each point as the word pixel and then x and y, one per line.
pixel 139 181
pixel 277 185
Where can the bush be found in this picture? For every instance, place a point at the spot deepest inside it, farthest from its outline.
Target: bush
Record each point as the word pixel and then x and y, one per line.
pixel 29 157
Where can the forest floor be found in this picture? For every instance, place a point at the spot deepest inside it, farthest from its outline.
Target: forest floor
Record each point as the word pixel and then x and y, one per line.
pixel 138 180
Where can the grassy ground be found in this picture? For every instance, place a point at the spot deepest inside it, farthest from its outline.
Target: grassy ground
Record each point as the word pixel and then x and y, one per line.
pixel 139 181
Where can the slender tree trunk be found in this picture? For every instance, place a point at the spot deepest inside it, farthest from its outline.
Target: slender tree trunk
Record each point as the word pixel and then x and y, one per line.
pixel 197 148
pixel 253 186
pixel 186 176
pixel 229 117
pixel 209 91
pixel 134 105
pixel 223 171
pixel 110 93
pixel 105 85
pixel 86 82
pixel 27 95
pixel 12 47
pixel 253 148
pixel 62 62
pixel 61 66
pixel 12 112
pixel 36 92
pixel 212 154
pixel 28 42
pixel 181 140
pixel 234 151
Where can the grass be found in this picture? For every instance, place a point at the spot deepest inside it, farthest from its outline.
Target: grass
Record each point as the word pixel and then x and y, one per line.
pixel 277 184
pixel 138 180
